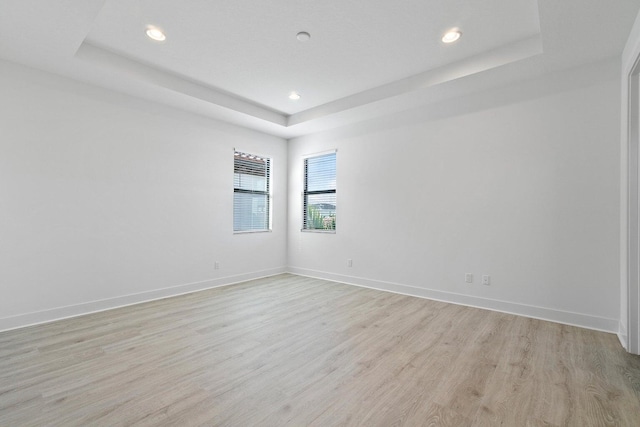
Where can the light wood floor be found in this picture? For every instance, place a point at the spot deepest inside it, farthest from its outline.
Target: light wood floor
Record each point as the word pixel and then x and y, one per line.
pixel 295 351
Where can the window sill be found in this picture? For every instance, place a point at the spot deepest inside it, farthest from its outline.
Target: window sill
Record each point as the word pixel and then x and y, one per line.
pixel 252 231
pixel 305 230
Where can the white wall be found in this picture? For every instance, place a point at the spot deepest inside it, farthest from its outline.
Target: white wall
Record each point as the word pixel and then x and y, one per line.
pixel 520 183
pixel 108 200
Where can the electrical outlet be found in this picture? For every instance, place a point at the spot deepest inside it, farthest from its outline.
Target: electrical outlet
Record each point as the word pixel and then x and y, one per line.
pixel 486 280
pixel 468 278
pixel 349 263
pixel 216 265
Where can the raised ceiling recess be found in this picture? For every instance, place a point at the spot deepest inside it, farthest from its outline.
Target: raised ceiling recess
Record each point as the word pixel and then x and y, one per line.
pixel 239 60
pixel 249 49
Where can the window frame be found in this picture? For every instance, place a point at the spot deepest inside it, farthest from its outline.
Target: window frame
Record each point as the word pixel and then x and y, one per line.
pixel 306 193
pixel 268 193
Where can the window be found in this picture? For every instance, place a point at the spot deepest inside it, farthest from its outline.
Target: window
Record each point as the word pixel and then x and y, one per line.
pixel 251 192
pixel 319 204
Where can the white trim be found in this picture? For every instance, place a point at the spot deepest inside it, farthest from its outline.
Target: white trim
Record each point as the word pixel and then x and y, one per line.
pixel 622 334
pixel 557 316
pixel 630 184
pixel 633 209
pixel 59 313
pixel 564 317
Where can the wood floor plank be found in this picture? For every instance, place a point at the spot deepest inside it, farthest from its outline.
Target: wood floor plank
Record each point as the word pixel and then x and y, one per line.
pixel 295 351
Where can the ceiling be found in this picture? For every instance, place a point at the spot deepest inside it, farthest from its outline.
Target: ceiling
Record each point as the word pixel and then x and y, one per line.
pixel 238 60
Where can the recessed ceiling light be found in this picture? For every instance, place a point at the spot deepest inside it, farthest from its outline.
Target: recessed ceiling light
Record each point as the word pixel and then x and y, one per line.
pixel 303 36
pixel 156 34
pixel 451 36
pixel 294 95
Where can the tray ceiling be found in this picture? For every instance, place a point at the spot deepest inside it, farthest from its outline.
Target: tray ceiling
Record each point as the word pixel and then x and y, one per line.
pixel 238 60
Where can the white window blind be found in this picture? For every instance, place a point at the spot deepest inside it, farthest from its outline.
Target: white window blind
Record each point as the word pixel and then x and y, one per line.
pixel 251 192
pixel 319 196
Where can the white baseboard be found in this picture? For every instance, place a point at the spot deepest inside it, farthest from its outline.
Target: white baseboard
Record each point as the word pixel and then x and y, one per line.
pixel 568 318
pixel 622 335
pixel 58 313
pixel 564 317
